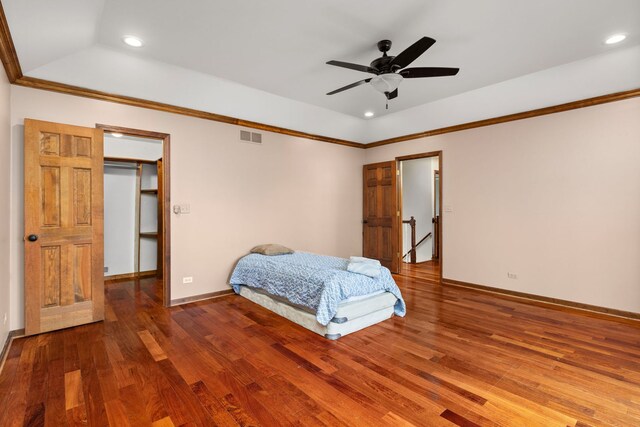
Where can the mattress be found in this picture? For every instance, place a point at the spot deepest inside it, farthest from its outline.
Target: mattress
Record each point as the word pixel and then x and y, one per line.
pixel 317 282
pixel 351 316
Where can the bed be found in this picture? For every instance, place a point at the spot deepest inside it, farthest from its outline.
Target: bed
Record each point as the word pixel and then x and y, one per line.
pixel 317 292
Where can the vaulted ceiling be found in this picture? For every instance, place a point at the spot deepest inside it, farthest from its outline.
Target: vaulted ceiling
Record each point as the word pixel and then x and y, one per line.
pixel 265 60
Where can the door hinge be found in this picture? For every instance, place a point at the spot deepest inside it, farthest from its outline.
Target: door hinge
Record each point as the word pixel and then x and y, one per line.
pixel 398 172
pixel 398 213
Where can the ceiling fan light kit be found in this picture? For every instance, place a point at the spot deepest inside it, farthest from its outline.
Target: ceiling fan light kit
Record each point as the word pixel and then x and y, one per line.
pixel 386 83
pixel 390 70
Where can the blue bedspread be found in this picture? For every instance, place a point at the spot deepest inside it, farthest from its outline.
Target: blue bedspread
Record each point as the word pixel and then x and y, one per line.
pixel 314 281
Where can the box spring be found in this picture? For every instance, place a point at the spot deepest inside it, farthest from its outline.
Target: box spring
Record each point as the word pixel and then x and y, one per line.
pixel 350 317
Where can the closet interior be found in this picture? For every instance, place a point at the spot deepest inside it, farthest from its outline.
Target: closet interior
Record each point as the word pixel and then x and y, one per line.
pixel 132 207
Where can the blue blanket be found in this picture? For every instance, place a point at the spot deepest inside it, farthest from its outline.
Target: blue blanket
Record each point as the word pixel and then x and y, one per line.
pixel 317 282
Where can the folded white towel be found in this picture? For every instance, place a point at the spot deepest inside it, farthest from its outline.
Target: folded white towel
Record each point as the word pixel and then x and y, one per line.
pixel 361 259
pixel 366 268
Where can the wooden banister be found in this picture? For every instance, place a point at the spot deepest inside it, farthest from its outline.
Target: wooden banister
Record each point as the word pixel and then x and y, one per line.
pixel 412 223
pixel 414 245
pixel 423 239
pixel 413 248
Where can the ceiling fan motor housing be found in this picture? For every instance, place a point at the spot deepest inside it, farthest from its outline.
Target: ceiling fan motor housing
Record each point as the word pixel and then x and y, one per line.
pixel 382 64
pixel 384 46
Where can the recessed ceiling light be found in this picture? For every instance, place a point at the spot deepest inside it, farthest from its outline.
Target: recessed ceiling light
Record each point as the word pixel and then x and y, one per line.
pixel 133 41
pixel 616 38
pixel 116 134
pixel 368 114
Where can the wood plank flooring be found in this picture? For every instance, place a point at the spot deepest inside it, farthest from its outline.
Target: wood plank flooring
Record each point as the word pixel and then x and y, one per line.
pixel 428 270
pixel 459 357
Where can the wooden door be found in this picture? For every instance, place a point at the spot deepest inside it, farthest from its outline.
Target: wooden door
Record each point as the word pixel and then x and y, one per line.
pixel 381 215
pixel 63 216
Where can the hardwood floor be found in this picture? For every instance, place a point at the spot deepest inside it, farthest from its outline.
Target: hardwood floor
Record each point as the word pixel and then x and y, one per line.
pixel 428 270
pixel 459 358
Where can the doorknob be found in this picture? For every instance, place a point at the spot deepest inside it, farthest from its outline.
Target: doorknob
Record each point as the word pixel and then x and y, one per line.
pixel 32 237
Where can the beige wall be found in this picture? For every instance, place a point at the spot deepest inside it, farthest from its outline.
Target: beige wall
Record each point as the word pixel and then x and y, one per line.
pixel 554 199
pixel 5 191
pixel 301 193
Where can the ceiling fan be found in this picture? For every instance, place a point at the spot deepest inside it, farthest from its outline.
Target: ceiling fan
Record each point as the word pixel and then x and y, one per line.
pixel 390 70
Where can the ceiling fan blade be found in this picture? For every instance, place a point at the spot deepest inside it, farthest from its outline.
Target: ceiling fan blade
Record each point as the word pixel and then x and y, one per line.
pixel 393 94
pixel 363 68
pixel 412 73
pixel 411 53
pixel 352 85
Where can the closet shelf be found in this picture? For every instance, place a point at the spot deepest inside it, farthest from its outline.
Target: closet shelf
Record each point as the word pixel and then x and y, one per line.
pixel 151 234
pixel 149 191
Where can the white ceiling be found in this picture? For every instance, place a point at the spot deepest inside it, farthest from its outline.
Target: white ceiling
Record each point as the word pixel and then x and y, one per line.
pixel 280 47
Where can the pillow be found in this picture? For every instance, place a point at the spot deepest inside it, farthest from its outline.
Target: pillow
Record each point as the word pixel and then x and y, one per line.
pixel 271 249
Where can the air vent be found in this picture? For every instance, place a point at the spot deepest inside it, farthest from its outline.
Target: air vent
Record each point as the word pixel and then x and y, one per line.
pixel 253 137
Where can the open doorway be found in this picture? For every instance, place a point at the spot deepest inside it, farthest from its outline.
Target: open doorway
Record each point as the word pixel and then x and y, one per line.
pixel 136 207
pixel 420 233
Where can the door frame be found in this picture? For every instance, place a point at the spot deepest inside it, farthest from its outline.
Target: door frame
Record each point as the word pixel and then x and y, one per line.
pixel 437 235
pixel 166 198
pixel 399 159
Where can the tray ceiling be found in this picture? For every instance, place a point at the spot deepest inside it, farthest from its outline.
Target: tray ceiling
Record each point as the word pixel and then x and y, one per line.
pixel 275 51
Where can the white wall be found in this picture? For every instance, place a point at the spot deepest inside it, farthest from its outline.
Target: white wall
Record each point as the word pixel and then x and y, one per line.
pixel 144 78
pixel 132 148
pixel 119 220
pixel 417 201
pixel 5 197
pixel 554 199
pixel 301 193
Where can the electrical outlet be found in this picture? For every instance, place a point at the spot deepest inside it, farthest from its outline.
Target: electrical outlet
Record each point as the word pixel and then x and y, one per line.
pixel 106 269
pixel 4 320
pixel 512 275
pixel 187 280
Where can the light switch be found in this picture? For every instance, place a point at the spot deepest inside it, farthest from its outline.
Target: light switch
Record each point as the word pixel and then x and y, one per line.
pixel 181 209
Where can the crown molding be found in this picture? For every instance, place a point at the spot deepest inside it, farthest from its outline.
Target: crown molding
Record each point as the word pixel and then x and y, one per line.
pixel 35 83
pixel 588 102
pixel 8 53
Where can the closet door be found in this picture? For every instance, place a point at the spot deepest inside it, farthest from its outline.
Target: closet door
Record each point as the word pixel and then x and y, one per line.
pixel 63 216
